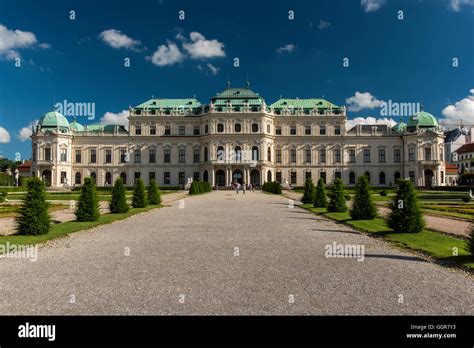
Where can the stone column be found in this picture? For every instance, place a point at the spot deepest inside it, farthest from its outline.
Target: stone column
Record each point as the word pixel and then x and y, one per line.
pixel 213 182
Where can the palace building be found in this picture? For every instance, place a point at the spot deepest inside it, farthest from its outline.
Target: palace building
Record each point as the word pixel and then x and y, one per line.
pixel 237 136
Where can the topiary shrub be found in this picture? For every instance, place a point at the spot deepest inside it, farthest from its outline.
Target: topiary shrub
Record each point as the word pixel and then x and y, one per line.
pixel 466 199
pixel 33 216
pixel 308 196
pixel 320 198
pixel 383 193
pixel 362 206
pixel 88 205
pixel 139 199
pixel 405 215
pixel 153 193
pixel 337 202
pixel 118 204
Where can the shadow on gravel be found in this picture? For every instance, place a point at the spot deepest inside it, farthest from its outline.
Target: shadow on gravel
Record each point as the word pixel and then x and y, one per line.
pixel 397 257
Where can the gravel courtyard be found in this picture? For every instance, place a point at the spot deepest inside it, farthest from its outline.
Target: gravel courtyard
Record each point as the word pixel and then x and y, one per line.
pixel 223 253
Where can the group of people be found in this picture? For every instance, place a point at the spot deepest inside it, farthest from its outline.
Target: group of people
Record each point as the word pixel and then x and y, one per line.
pixel 238 186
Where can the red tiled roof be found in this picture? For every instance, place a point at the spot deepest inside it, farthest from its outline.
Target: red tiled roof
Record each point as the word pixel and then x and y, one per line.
pixel 25 167
pixel 466 148
pixel 451 168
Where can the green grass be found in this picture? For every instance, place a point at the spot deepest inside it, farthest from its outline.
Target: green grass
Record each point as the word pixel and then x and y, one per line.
pixel 67 196
pixel 437 245
pixel 63 229
pixel 7 210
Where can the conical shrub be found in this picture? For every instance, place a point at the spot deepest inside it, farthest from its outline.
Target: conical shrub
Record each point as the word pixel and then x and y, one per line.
pixel 320 199
pixel 337 201
pixel 154 196
pixel 33 217
pixel 139 199
pixel 405 215
pixel 308 196
pixel 118 204
pixel 362 206
pixel 88 205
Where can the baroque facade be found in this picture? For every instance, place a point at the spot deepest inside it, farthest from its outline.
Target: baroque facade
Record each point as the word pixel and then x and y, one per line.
pixel 237 136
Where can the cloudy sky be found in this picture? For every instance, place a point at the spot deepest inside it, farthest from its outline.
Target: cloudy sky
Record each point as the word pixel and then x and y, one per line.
pixel 359 53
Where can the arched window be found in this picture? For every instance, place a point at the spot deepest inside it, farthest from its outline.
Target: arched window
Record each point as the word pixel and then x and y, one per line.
pixel 268 128
pixel 238 127
pixel 254 153
pixel 108 178
pixel 269 154
pixel 396 176
pixel 78 179
pixel 367 174
pixel 255 127
pixel 352 178
pixel 123 176
pixel 206 155
pixel 238 153
pixel 94 177
pixel 382 178
pixel 220 128
pixel 206 129
pixel 220 153
pixel 269 176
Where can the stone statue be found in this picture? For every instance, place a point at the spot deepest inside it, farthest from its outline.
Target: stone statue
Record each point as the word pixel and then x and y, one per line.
pixel 285 184
pixel 17 176
pixel 188 184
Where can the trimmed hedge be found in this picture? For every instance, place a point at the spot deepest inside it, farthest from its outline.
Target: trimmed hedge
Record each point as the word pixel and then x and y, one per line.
pixel 5 179
pixel 153 193
pixel 198 187
pixel 405 215
pixel 139 199
pixel 272 187
pixel 88 205
pixel 118 204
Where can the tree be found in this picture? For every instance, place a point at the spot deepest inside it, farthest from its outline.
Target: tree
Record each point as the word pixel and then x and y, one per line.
pixel 88 205
pixel 362 206
pixel 320 199
pixel 337 201
pixel 118 204
pixel 405 215
pixel 139 197
pixel 153 193
pixel 470 241
pixel 308 196
pixel 33 217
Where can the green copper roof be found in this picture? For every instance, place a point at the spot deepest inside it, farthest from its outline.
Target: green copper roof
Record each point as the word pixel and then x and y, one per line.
pixel 422 119
pixel 53 119
pixel 75 126
pixel 170 103
pixel 303 103
pixel 239 93
pixel 399 127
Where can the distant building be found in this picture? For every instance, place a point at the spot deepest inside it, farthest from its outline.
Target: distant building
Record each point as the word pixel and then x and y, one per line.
pixel 452 174
pixel 454 139
pixel 25 169
pixel 464 157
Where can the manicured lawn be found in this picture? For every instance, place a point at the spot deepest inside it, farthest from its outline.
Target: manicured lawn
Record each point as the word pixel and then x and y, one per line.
pixel 12 210
pixel 67 196
pixel 437 245
pixel 63 229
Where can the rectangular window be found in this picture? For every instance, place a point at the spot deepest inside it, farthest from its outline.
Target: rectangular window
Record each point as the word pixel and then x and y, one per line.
pixel 196 176
pixel 137 175
pixel 181 178
pixel 293 178
pixel 196 155
pixel 427 153
pixel 411 175
pixel 307 175
pixel 138 130
pixel 108 156
pixel 322 156
pixel 337 155
pixel 151 176
pixel 352 155
pixel 381 155
pixel 196 130
pixel 167 156
pixel 167 130
pixel 93 156
pixel 278 130
pixel 182 155
pixel 182 130
pixel 138 156
pixel 47 154
pixel 411 154
pixel 293 155
pixel 152 155
pixel 337 130
pixel 63 155
pixel 337 175
pixel 278 177
pixel 322 176
pixel 308 155
pixel 166 178
pixel 293 130
pixel 152 130
pixel 322 130
pixel 307 130
pixel 63 177
pixel 396 155
pixel 278 155
pixel 123 155
pixel 442 177
pixel 366 155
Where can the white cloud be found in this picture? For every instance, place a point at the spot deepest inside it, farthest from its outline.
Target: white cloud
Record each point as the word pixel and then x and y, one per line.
pixel 372 5
pixel 12 40
pixel 25 133
pixel 214 69
pixel 4 136
pixel 363 100
pixel 369 121
pixel 456 5
pixel 463 109
pixel 323 25
pixel 166 55
pixel 200 47
pixel 44 46
pixel 287 48
pixel 116 39
pixel 111 118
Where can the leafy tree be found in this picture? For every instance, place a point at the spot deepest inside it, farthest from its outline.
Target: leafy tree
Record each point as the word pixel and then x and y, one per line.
pixel 337 201
pixel 88 205
pixel 362 207
pixel 320 198
pixel 139 199
pixel 153 193
pixel 308 196
pixel 34 218
pixel 405 215
pixel 118 204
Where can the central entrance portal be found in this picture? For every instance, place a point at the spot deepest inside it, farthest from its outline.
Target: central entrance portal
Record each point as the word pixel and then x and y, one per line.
pixel 237 176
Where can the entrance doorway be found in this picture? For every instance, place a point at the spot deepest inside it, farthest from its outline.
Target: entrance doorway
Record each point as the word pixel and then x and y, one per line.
pixel 237 176
pixel 428 177
pixel 46 175
pixel 255 177
pixel 220 178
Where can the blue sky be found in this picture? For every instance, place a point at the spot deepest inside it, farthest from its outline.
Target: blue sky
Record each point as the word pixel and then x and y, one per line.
pixel 82 60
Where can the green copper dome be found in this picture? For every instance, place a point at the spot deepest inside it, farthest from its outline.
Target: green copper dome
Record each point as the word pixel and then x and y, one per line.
pixel 399 127
pixel 422 119
pixel 53 119
pixel 76 127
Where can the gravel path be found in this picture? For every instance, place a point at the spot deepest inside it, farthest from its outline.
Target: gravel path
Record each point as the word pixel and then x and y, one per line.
pixel 183 260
